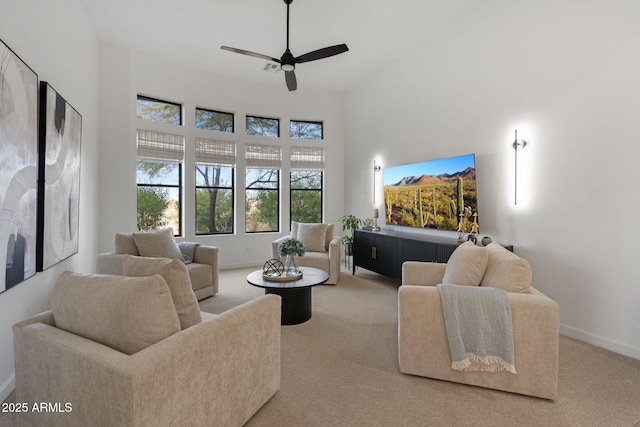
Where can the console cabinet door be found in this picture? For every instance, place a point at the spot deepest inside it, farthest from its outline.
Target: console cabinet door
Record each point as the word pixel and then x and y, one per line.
pixel 377 252
pixel 362 244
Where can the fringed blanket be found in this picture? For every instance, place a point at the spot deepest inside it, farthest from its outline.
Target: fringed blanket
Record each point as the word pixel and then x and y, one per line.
pixel 479 329
pixel 188 250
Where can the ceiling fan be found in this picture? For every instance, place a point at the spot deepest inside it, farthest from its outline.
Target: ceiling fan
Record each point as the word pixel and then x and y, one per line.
pixel 287 61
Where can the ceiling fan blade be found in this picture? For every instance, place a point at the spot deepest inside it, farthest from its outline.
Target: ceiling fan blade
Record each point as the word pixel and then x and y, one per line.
pixel 322 53
pixel 290 78
pixel 246 52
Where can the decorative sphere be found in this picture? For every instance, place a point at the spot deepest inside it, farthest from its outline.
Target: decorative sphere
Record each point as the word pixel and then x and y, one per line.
pixel 273 268
pixel 486 240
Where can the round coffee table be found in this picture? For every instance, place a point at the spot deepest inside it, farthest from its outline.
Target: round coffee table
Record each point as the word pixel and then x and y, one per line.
pixel 295 294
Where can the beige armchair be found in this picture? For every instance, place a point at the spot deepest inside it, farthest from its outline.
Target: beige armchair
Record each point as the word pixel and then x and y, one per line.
pixel 322 249
pixel 94 357
pixel 203 270
pixel 422 338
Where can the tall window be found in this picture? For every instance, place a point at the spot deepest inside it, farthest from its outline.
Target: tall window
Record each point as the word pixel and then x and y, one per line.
pixel 299 129
pixel 307 164
pixel 215 166
pixel 262 194
pixel 159 111
pixel 214 120
pixel 159 178
pixel 263 126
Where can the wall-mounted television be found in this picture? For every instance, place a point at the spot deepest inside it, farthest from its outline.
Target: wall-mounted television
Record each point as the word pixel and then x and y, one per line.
pixel 435 194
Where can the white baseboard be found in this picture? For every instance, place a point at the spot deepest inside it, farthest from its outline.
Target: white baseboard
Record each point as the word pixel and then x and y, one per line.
pixel 7 387
pixel 600 341
pixel 241 265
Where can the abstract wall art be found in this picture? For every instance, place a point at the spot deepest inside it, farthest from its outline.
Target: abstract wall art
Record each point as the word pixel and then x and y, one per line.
pixel 18 169
pixel 59 178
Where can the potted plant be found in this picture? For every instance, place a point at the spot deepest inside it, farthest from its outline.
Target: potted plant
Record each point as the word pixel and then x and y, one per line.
pixel 292 249
pixel 349 223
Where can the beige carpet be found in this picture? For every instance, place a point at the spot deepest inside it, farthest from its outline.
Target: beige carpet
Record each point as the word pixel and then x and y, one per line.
pixel 340 369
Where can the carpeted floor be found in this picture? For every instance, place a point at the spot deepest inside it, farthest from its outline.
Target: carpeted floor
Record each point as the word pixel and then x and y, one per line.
pixel 341 369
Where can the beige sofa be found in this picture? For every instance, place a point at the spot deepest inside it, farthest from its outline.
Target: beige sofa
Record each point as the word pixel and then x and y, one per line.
pixel 93 358
pixel 322 249
pixel 422 339
pixel 203 271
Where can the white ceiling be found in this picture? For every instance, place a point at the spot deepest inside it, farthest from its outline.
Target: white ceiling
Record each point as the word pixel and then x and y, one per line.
pixel 190 32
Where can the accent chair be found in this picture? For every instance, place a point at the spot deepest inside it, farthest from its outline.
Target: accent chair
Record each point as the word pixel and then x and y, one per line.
pixel 322 248
pixel 422 336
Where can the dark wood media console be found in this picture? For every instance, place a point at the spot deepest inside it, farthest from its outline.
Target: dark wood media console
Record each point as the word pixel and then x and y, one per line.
pixel 384 251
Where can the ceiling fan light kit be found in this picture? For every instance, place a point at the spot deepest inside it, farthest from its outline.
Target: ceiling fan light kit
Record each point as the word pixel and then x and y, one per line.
pixel 287 61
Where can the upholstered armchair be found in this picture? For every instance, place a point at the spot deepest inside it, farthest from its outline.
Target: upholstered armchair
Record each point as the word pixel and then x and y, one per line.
pixel 422 337
pixel 322 249
pixel 136 351
pixel 203 265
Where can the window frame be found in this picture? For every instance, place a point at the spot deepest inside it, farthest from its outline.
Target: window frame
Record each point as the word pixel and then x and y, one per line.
pixel 179 186
pixel 140 97
pixel 313 122
pixel 233 199
pixel 278 202
pixel 321 190
pixel 233 119
pixel 247 116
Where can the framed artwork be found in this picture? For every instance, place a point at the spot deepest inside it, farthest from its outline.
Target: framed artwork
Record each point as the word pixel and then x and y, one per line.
pixel 18 168
pixel 59 178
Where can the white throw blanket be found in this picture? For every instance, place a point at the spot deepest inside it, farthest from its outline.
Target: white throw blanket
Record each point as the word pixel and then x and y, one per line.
pixel 479 328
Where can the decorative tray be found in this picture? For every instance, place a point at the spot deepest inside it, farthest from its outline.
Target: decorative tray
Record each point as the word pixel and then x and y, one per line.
pixel 274 277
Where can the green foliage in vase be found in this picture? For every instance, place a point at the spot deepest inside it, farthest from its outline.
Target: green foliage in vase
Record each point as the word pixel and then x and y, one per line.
pixel 291 247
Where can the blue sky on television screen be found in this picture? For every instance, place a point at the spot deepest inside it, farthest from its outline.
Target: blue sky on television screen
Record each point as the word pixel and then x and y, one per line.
pixel 450 165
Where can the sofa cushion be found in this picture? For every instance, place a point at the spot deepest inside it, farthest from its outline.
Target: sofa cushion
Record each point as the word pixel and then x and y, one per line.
pixel 313 236
pixel 316 260
pixel 127 314
pixel 125 244
pixel 466 266
pixel 506 270
pixel 157 244
pixel 176 275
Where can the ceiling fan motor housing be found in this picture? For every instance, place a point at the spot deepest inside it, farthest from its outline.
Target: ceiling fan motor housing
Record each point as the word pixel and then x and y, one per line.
pixel 287 61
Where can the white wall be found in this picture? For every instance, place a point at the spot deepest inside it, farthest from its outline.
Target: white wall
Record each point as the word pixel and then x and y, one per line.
pixel 55 40
pixel 124 74
pixel 565 75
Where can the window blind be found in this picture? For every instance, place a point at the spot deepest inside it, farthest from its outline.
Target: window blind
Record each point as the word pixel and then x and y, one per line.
pixel 160 146
pixel 307 158
pixel 215 152
pixel 263 156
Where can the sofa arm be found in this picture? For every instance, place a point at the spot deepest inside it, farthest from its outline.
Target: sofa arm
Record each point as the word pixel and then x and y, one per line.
pixel 334 261
pixel 109 263
pixel 274 246
pixel 233 358
pixel 208 255
pixel 422 273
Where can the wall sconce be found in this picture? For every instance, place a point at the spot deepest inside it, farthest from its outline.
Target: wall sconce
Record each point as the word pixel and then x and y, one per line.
pixel 376 168
pixel 518 144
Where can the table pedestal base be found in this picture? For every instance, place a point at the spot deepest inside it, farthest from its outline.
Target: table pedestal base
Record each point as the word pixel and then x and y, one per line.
pixel 296 304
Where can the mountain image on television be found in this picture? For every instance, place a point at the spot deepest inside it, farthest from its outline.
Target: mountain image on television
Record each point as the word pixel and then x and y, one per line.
pixel 436 194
